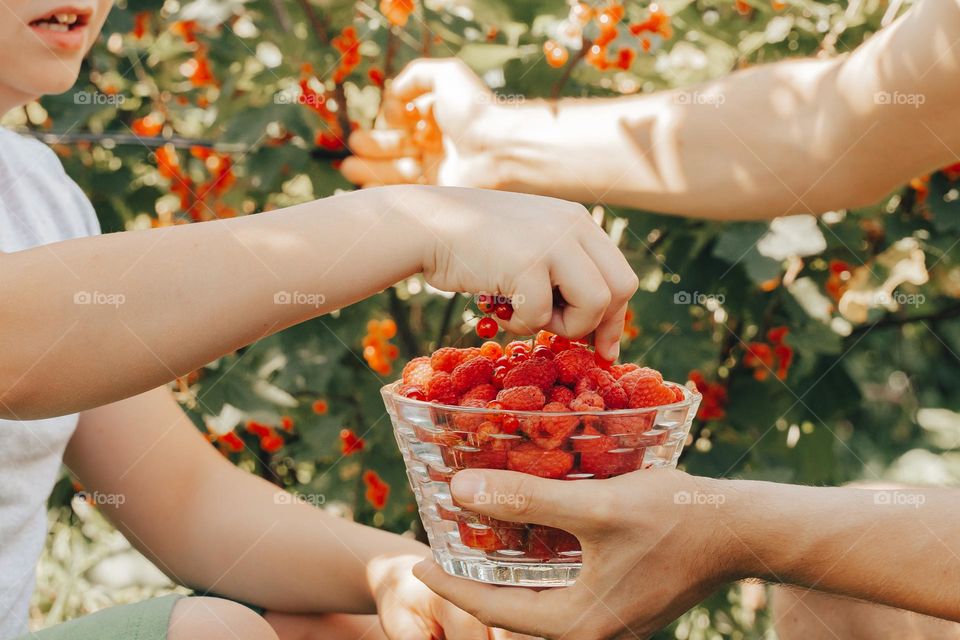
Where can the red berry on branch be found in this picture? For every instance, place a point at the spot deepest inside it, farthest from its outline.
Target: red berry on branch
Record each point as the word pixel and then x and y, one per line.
pixel 503 310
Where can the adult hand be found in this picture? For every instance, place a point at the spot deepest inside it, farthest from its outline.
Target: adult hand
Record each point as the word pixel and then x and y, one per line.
pixel 654 544
pixel 461 106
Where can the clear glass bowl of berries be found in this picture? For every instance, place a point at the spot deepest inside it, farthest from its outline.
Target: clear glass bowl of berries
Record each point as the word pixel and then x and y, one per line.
pixel 547 407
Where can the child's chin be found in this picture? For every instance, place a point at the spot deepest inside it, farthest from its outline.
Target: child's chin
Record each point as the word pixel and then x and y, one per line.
pixel 60 81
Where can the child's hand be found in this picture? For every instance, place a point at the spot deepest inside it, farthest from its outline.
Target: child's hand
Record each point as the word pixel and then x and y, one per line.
pixel 410 611
pixel 523 246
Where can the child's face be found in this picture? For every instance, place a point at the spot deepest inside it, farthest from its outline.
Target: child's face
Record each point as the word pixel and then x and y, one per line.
pixel 44 42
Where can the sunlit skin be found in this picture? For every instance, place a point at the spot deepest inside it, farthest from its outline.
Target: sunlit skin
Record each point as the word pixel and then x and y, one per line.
pixel 800 136
pixel 345 248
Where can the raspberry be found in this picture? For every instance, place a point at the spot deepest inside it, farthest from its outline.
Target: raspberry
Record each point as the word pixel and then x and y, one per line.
pixel 618 370
pixel 485 538
pixel 536 372
pixel 484 392
pixel 487 328
pixel 412 391
pixel 572 364
pixel 471 373
pixel 593 380
pixel 528 398
pixel 614 397
pixel 550 433
pixel 629 380
pixel 545 543
pixel 531 459
pixel 440 388
pixel 417 371
pixel 603 456
pixel 630 430
pixel 487 449
pixel 587 401
pixel 464 421
pixel 678 394
pixel 649 392
pixel 561 394
pixel 447 358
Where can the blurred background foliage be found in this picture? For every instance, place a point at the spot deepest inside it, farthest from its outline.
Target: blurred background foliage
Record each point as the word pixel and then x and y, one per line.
pixel 217 108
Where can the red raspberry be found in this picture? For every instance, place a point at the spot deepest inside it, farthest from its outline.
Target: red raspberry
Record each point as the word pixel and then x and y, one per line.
pixel 630 430
pixel 550 433
pixel 485 392
pixel 546 543
pixel 572 364
pixel 440 388
pixel 678 394
pixel 593 380
pixel 629 380
pixel 471 373
pixel 447 358
pixel 536 371
pixel 614 397
pixel 618 370
pixel 587 401
pixel 603 456
pixel 529 458
pixel 417 371
pixel 649 392
pixel 528 398
pixel 485 538
pixel 464 421
pixel 561 394
pixel 412 391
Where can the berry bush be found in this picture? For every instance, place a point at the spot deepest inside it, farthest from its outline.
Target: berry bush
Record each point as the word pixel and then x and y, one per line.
pixel 825 350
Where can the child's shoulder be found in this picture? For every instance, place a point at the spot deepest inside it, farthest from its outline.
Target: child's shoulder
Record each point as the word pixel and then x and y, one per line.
pixel 39 202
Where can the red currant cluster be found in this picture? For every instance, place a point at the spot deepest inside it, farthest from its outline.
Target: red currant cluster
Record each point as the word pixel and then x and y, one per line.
pixel 497 305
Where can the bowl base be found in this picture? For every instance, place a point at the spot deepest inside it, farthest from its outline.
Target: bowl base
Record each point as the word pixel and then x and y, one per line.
pixel 515 574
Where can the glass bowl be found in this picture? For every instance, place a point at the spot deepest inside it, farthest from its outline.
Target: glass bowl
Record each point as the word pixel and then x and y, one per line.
pixel 438 440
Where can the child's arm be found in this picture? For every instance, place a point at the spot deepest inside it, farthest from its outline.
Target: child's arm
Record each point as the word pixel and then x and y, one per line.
pixel 89 321
pixel 212 526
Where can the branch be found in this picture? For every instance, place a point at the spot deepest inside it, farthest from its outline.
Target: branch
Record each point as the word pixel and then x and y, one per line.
pixel 562 81
pixel 445 319
pixel 319 26
pixel 896 321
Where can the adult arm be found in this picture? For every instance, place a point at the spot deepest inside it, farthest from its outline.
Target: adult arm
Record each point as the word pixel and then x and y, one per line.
pixel 657 542
pixel 799 136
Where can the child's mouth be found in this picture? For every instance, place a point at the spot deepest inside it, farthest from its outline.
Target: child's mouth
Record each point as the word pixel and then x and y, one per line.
pixel 62 28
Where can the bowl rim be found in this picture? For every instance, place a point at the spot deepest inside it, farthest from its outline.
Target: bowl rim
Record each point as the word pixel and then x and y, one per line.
pixel 690 396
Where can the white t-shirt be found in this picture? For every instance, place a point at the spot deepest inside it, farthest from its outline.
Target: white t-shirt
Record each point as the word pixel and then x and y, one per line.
pixel 39 204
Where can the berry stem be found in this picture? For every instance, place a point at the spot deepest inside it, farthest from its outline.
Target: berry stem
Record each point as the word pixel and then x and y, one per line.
pixel 568 70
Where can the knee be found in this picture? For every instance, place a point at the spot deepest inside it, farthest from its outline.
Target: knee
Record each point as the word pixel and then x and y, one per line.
pixel 216 619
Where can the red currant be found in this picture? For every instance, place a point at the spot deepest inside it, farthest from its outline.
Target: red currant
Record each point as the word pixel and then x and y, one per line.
pixel 543 338
pixel 491 350
pixel 559 343
pixel 510 424
pixel 515 346
pixel 518 356
pixel 502 361
pixel 487 328
pixel 499 374
pixel 504 310
pixel 485 303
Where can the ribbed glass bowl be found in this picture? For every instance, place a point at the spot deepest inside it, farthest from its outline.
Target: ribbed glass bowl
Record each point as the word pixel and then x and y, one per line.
pixel 438 440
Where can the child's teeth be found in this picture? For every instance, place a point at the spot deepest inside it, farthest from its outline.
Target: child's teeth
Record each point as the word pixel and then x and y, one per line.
pixel 66 18
pixel 57 27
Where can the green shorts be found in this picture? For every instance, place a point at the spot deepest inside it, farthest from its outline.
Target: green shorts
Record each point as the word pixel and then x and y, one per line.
pixel 146 620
